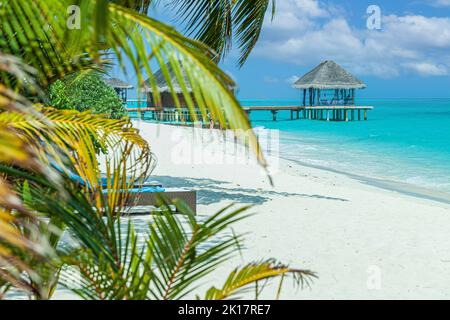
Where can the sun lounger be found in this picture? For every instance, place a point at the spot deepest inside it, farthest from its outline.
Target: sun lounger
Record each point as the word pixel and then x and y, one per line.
pixel 146 197
pixel 148 202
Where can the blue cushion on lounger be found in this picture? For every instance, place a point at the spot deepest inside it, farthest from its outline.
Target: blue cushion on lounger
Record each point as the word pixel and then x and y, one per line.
pixel 144 190
pixel 154 187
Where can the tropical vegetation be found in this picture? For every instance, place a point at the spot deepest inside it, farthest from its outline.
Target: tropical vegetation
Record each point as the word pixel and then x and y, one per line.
pixel 54 229
pixel 86 91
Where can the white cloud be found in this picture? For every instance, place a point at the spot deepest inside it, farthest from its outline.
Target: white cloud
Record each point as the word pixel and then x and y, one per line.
pixel 305 32
pixel 441 3
pixel 297 16
pixel 427 69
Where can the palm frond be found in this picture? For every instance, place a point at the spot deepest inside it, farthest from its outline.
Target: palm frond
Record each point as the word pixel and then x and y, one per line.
pixel 73 138
pixel 141 6
pixel 245 279
pixel 171 260
pixel 34 32
pixel 249 19
pixel 220 22
pixel 19 234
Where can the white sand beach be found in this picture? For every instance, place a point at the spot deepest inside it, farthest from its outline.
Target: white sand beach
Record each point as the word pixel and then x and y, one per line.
pixel 363 241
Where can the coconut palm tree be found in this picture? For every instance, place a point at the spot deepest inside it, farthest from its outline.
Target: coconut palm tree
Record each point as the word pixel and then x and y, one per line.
pixel 40 148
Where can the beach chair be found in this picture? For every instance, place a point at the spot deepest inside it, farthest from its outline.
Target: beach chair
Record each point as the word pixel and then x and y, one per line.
pixel 146 200
pixel 146 197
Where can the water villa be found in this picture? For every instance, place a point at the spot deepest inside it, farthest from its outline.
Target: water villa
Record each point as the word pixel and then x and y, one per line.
pixel 329 93
pixel 120 86
pixel 328 84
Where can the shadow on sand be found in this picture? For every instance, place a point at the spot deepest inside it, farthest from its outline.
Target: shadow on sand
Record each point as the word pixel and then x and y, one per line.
pixel 213 191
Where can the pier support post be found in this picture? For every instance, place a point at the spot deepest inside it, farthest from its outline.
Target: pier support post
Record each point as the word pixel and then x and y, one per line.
pixel 292 114
pixel 359 115
pixel 346 115
pixel 274 114
pixel 328 115
pixel 298 114
pixel 365 114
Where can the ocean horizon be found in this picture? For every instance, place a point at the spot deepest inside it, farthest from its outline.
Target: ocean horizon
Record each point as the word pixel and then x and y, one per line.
pixel 404 140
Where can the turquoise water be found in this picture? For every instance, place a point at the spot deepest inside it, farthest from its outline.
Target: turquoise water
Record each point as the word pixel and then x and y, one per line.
pixel 404 140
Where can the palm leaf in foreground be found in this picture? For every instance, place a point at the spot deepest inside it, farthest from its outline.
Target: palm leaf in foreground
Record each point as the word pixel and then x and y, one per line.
pixel 19 234
pixel 171 260
pixel 245 279
pixel 219 23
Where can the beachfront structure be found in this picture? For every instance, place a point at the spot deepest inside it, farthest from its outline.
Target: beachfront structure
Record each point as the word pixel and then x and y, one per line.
pixel 167 100
pixel 166 110
pixel 120 86
pixel 329 84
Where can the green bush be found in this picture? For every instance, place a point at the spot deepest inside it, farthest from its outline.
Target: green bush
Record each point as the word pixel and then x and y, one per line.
pixel 86 91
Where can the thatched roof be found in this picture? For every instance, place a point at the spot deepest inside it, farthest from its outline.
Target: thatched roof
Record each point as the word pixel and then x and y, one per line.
pixel 162 83
pixel 118 84
pixel 329 75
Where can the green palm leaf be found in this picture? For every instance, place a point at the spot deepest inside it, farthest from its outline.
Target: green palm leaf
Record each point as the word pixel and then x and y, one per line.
pixel 177 254
pixel 19 233
pixel 245 279
pixel 218 23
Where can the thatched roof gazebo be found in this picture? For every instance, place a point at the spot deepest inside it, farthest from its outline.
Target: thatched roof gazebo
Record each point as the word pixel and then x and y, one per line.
pixel 120 86
pixel 163 88
pixel 329 84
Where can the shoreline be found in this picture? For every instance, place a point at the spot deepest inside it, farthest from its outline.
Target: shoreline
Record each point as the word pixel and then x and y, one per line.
pixel 384 184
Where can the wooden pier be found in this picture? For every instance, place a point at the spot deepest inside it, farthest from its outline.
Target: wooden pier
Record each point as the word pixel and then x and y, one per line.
pixel 323 113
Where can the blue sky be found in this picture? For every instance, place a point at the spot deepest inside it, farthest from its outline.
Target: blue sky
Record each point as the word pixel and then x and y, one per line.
pixel 408 58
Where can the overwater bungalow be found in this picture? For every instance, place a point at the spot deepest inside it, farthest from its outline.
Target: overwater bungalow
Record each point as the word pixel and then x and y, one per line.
pixel 120 86
pixel 329 84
